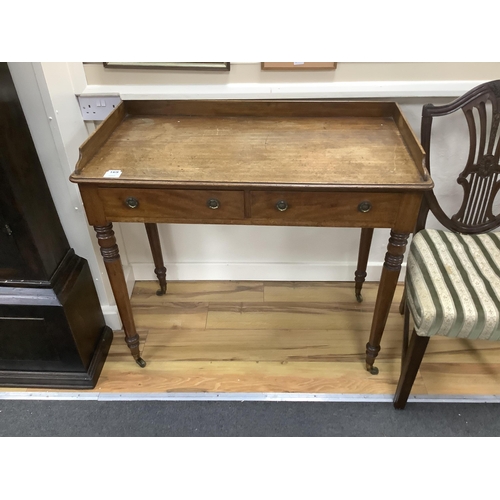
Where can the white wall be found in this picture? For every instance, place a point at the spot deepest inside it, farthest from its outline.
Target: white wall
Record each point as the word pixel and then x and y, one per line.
pixel 250 72
pixel 47 93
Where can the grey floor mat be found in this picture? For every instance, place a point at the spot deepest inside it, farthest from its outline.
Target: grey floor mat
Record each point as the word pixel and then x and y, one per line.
pixel 256 418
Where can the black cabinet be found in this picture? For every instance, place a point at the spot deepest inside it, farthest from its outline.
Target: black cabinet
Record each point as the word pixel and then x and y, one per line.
pixel 52 330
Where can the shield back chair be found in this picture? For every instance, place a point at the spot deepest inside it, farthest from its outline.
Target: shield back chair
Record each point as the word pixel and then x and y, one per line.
pixel 452 284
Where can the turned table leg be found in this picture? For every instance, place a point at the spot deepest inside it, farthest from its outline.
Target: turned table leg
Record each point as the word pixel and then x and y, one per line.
pixel 160 269
pixel 364 252
pixel 388 281
pixel 110 254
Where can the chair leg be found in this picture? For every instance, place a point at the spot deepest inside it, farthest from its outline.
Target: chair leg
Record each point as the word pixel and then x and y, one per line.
pixel 406 334
pixel 402 304
pixel 411 364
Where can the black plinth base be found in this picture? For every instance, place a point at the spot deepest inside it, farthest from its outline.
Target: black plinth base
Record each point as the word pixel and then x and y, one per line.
pixel 53 334
pixel 62 380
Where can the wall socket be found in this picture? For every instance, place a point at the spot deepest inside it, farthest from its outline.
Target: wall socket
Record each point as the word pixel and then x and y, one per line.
pixel 98 107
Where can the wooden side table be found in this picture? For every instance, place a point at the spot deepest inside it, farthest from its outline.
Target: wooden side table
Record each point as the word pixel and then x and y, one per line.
pixel 291 163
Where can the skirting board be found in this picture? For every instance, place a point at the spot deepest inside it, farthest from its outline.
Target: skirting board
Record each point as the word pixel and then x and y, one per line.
pixel 269 271
pixel 111 317
pixel 130 278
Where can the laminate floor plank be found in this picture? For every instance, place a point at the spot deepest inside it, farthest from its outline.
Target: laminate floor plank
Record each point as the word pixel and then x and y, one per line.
pixel 464 378
pixel 290 315
pixel 320 291
pixel 198 291
pixel 173 315
pixel 328 346
pixel 445 350
pixel 263 377
pixel 299 337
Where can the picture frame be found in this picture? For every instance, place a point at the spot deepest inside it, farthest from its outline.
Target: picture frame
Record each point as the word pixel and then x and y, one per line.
pixel 184 66
pixel 299 66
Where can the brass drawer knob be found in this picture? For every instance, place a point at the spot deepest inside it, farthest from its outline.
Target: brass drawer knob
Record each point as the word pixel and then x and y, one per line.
pixel 282 205
pixel 213 204
pixel 365 206
pixel 132 202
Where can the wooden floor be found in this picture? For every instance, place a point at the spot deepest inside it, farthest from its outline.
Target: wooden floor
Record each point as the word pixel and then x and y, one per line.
pixel 270 337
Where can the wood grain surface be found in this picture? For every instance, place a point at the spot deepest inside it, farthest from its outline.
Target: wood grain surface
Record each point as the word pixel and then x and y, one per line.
pixel 235 337
pixel 256 151
pixel 266 150
pixel 339 209
pixel 171 204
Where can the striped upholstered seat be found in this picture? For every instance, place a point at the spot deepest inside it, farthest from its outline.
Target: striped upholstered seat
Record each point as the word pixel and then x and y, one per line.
pixel 453 284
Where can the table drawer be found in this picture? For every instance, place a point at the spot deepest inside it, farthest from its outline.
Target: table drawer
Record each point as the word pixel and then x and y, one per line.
pixel 192 205
pixel 325 209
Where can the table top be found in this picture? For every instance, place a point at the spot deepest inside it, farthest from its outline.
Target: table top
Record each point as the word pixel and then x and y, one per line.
pixel 255 144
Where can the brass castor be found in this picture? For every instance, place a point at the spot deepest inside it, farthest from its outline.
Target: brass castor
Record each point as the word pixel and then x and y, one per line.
pixel 162 290
pixel 140 362
pixel 359 297
pixel 372 369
